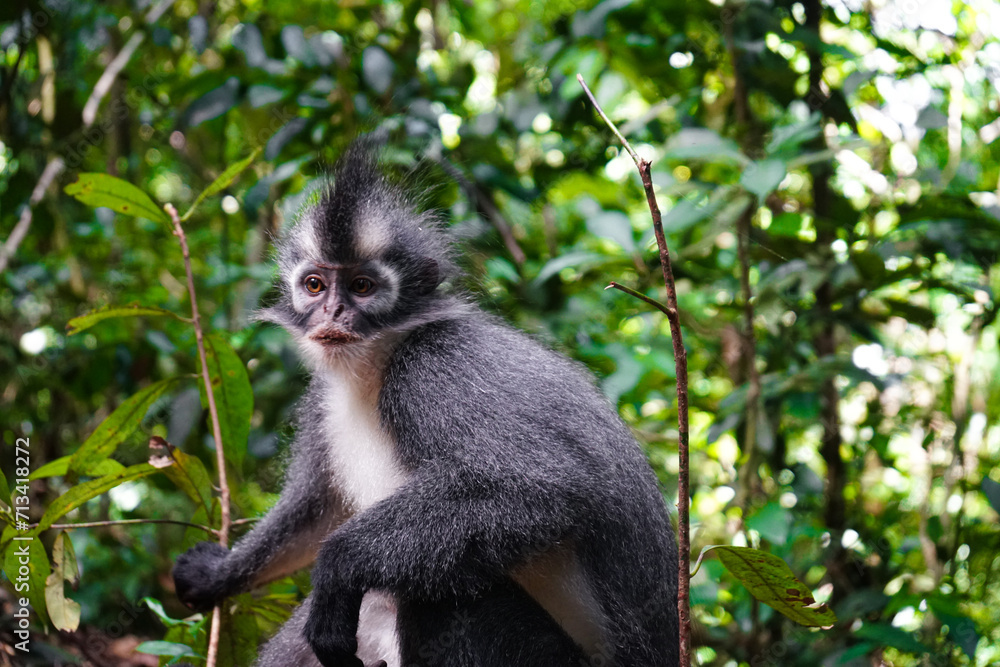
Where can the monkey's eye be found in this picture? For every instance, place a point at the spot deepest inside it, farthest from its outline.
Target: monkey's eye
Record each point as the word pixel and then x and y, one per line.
pixel 362 285
pixel 314 284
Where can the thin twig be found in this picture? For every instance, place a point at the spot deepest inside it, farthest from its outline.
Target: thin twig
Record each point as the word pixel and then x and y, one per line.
pixel 220 458
pixel 680 361
pixel 131 522
pixel 639 295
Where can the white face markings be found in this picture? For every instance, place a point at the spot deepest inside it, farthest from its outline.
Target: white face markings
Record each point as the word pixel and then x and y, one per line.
pixel 385 295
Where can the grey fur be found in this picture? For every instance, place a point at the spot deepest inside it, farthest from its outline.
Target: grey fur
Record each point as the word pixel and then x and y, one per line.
pixel 516 522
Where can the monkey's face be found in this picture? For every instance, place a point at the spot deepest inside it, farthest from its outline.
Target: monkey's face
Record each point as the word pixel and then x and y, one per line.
pixel 339 300
pixel 338 305
pixel 359 264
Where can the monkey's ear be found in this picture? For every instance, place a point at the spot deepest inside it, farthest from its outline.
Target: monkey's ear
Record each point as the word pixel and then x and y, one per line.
pixel 427 276
pixel 274 314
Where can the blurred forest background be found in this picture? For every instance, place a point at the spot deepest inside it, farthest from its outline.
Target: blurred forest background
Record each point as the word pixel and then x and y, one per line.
pixel 828 171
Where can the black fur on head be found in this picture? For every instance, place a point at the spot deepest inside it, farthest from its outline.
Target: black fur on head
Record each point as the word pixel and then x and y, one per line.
pixel 361 217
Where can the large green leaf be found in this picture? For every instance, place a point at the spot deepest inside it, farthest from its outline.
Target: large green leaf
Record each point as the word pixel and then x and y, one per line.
pixel 116 194
pixel 770 580
pixel 65 613
pixel 118 426
pixel 233 396
pixel 81 493
pixel 87 320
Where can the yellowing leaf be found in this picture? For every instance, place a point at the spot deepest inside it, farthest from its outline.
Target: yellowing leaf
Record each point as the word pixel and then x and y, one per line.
pixel 65 613
pixel 770 580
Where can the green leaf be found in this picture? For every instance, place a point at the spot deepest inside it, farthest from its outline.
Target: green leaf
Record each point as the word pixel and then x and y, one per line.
pixel 870 265
pixel 65 613
pixel 60 467
pixel 772 521
pixel 223 181
pixel 157 608
pixel 613 225
pixel 4 489
pixel 81 493
pixel 233 396
pixel 991 490
pixel 686 214
pixel 760 178
pixel 118 426
pixel 884 634
pixel 694 143
pixel 166 648
pixel 584 260
pixel 87 320
pixel 770 580
pixel 30 554
pixel 116 194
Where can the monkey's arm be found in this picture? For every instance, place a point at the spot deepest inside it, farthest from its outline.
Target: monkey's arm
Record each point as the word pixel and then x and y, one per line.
pixel 451 532
pixel 282 542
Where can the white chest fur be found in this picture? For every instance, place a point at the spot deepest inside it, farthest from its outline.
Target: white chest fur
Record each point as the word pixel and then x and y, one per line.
pixel 366 469
pixel 363 456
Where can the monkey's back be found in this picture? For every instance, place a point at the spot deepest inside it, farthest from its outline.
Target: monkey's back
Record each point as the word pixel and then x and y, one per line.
pixel 496 408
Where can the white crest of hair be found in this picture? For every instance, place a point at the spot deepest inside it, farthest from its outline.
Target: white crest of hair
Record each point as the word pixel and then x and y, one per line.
pixel 372 235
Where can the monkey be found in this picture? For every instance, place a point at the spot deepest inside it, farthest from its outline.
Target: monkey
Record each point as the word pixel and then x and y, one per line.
pixel 466 496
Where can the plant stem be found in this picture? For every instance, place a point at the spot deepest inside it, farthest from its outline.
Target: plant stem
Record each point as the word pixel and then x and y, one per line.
pixel 131 522
pixel 220 458
pixel 680 361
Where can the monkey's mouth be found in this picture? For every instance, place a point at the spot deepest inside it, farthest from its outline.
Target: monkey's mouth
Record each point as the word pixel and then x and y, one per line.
pixel 335 337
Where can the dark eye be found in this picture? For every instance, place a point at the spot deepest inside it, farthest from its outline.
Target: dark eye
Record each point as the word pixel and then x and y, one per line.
pixel 362 285
pixel 314 284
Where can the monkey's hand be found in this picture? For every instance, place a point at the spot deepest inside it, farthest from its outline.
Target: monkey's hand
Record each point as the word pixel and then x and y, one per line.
pixel 332 626
pixel 199 576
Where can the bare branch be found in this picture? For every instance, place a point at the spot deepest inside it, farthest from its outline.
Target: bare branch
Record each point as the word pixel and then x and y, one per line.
pixel 49 174
pixel 223 533
pixel 639 295
pixel 132 522
pixel 680 361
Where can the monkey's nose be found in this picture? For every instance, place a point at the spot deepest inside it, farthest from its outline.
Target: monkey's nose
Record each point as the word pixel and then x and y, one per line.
pixel 338 311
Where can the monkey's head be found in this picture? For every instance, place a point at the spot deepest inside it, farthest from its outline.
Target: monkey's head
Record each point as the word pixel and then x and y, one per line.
pixel 358 264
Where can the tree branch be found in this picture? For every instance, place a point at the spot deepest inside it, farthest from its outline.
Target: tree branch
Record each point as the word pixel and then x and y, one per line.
pixel 131 522
pixel 680 361
pixel 49 174
pixel 220 457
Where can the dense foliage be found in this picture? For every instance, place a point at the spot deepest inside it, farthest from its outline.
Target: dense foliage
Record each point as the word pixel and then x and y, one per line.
pixel 828 173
